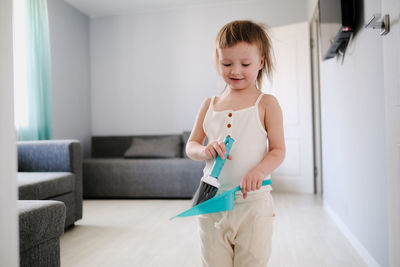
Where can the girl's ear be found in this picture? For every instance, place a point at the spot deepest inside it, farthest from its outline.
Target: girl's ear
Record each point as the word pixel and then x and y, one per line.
pixel 261 64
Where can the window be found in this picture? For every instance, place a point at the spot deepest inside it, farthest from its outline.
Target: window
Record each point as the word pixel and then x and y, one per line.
pixel 32 72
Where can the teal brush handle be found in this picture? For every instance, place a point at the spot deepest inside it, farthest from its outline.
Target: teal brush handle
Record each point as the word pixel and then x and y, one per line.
pixel 219 163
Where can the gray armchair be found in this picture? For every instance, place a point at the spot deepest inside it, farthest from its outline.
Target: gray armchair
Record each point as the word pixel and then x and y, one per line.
pixel 52 170
pixel 50 197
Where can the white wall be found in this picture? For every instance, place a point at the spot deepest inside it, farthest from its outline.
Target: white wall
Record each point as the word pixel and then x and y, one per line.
pixel 151 71
pixel 353 136
pixel 391 69
pixel 311 6
pixel 9 245
pixel 70 59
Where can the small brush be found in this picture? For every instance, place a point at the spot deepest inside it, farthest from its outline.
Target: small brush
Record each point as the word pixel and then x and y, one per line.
pixel 209 184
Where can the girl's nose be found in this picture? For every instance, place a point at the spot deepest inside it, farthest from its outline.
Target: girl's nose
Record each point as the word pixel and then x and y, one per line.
pixel 235 70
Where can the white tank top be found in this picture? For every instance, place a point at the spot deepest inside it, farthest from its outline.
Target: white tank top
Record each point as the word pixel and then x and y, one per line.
pixel 249 148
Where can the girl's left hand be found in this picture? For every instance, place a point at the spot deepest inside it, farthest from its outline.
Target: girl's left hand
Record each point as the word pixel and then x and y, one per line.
pixel 251 181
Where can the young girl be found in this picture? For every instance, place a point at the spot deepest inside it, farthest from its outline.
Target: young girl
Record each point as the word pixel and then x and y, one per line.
pixel 241 237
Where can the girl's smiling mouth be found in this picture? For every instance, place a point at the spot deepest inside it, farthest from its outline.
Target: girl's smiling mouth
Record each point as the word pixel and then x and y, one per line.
pixel 236 79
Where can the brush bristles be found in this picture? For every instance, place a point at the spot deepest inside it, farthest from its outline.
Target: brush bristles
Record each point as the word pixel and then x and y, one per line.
pixel 203 193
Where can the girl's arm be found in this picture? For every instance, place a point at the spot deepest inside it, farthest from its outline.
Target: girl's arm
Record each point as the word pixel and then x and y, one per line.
pixel 194 147
pixel 276 153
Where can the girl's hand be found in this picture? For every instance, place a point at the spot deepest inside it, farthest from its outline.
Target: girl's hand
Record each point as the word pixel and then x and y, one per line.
pixel 217 147
pixel 251 181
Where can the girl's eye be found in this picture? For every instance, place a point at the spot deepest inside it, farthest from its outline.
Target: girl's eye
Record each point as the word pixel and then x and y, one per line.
pixel 226 65
pixel 245 65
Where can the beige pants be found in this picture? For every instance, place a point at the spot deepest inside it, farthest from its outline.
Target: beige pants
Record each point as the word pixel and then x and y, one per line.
pixel 241 237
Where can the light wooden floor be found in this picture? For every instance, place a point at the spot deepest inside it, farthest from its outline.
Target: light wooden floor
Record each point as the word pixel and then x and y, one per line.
pixel 139 233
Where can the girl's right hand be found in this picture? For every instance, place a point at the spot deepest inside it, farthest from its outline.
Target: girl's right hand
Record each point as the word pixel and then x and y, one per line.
pixel 217 147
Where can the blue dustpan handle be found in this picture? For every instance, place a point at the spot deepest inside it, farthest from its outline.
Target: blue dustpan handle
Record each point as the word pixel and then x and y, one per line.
pixel 264 183
pixel 219 163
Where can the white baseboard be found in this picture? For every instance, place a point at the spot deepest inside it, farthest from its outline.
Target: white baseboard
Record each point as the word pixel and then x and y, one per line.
pixel 361 250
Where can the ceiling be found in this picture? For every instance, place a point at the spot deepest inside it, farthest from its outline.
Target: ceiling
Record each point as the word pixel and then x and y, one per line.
pixel 101 8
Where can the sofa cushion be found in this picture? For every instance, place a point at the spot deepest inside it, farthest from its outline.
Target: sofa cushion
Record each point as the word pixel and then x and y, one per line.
pixel 39 221
pixel 43 185
pixel 156 147
pixel 116 146
pixel 141 178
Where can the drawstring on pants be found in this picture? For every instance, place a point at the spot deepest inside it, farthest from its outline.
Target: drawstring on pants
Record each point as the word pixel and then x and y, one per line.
pixel 220 222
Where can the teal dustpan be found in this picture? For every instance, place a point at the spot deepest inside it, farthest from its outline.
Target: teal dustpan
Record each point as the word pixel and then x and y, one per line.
pixel 219 203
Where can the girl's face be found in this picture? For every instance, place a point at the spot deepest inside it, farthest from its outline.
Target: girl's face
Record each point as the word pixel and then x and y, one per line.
pixel 239 65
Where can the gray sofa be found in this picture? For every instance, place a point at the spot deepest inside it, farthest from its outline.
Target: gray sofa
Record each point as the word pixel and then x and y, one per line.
pixel 50 197
pixel 140 166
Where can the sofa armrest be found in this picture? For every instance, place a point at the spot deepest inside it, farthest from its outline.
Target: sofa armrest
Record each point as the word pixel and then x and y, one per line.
pixel 53 156
pixel 47 155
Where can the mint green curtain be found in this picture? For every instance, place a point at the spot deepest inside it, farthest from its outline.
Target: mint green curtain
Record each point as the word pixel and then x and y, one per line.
pixel 38 72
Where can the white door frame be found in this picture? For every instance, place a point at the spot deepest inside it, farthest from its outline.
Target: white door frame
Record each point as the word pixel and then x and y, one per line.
pixel 315 82
pixel 9 241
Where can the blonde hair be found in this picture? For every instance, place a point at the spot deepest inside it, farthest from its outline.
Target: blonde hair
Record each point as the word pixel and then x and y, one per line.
pixel 249 32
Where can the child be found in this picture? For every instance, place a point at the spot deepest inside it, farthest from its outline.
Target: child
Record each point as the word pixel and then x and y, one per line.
pixel 243 236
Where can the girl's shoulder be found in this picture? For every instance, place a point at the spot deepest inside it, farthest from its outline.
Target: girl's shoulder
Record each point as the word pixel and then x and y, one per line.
pixel 206 103
pixel 269 101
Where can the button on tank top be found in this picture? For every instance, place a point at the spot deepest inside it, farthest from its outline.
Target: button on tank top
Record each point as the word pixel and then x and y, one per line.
pixel 249 148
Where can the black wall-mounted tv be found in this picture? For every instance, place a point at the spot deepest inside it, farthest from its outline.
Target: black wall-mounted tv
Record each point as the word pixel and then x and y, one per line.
pixel 338 21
